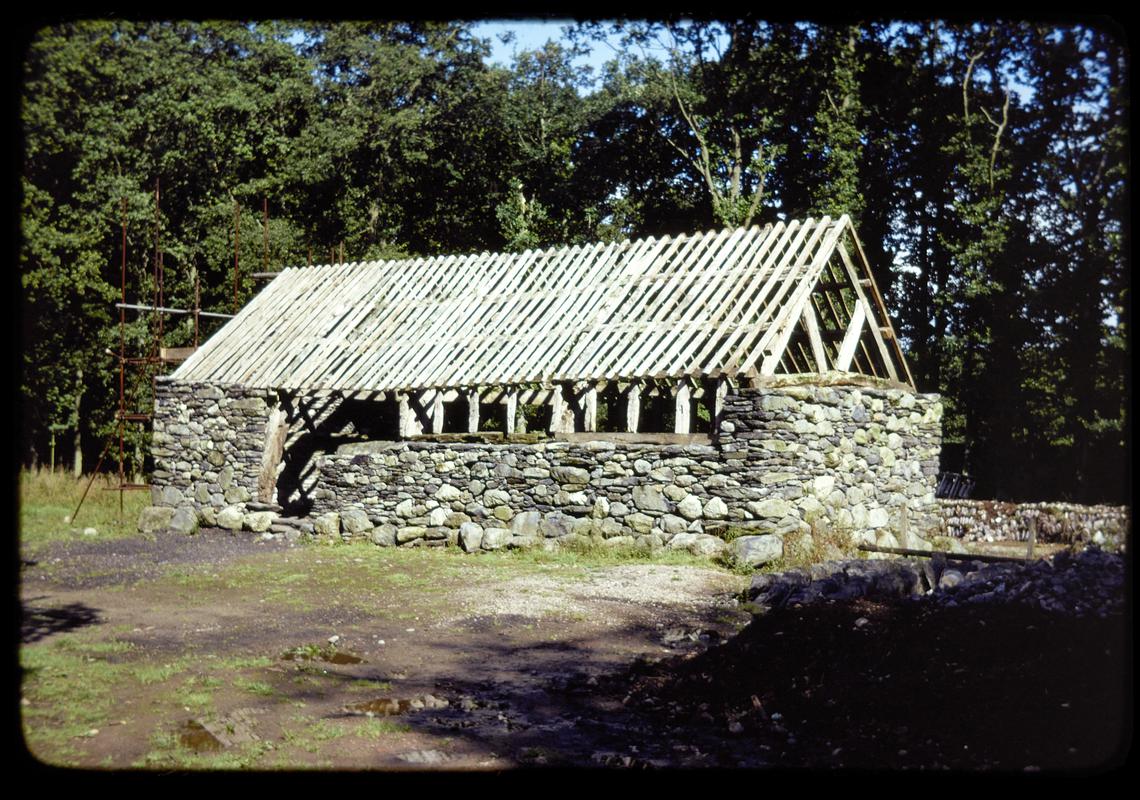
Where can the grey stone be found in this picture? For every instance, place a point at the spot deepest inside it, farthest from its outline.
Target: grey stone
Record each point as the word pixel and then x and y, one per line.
pixel 495 538
pixel 620 541
pixel 772 507
pixel 470 536
pixel 640 523
pixel 354 520
pixel 700 544
pixel 155 518
pixel 184 521
pixel 690 508
pixel 715 508
pixel 383 535
pixel 570 475
pixel 409 533
pixel 172 497
pixel 758 550
pixel 649 498
pixel 327 524
pixel 258 521
pixel 448 493
pixel 526 523
pixel 236 494
pixel 557 525
pixel 231 518
pixel 495 497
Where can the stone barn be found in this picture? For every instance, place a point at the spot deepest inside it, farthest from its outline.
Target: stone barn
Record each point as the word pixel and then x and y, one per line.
pixel 657 391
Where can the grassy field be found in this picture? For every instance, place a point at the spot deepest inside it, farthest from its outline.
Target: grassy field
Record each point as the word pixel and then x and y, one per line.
pixel 48 500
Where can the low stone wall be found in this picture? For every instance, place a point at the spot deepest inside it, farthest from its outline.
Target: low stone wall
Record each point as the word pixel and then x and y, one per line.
pixel 785 458
pixel 990 520
pixel 784 461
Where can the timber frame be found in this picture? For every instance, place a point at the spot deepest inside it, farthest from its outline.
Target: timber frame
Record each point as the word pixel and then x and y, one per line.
pixel 686 315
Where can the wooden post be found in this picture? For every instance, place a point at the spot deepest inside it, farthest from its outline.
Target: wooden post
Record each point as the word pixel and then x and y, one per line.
pixel 1032 536
pixel 720 393
pixel 557 409
pixel 632 407
pixel 512 406
pixel 437 412
pixel 275 433
pixel 684 396
pixel 589 400
pixel 409 422
pixel 473 411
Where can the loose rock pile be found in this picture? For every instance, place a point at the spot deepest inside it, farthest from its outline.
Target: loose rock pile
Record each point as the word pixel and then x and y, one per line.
pixel 1088 584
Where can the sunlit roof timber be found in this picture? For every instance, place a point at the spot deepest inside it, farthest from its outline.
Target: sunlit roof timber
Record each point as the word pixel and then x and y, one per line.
pixel 789 298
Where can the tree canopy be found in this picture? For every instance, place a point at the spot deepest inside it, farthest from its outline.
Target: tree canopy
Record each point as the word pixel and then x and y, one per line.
pixel 985 166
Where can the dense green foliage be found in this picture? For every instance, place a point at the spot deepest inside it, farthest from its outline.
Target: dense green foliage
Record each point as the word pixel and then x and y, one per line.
pixel 985 166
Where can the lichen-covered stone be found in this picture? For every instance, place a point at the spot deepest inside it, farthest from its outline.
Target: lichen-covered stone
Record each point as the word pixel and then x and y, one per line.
pixel 155 518
pixel 758 550
pixel 231 518
pixel 258 521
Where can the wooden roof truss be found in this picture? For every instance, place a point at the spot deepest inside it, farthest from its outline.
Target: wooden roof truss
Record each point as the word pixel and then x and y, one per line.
pixel 794 297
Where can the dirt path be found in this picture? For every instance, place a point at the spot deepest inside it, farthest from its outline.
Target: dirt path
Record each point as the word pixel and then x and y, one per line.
pixel 218 651
pixel 208 617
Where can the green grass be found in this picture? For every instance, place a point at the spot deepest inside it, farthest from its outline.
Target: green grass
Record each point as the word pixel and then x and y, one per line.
pixel 48 501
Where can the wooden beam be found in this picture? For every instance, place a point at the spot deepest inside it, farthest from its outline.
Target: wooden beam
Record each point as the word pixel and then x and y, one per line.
pixel 684 398
pixel 632 407
pixel 869 309
pixel 811 324
pixel 851 339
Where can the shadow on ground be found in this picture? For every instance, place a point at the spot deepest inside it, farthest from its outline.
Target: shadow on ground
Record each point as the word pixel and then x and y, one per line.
pixel 39 622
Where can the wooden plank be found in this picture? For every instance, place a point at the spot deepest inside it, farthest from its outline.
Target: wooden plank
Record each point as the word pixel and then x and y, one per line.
pixel 459 354
pixel 635 438
pixel 721 392
pixel 753 316
pixel 632 361
pixel 276 429
pixel 715 354
pixel 597 330
pixel 176 353
pixel 686 333
pixel 583 353
pixel 409 424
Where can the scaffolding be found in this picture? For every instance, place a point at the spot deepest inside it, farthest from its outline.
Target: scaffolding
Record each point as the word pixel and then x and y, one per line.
pixel 158 357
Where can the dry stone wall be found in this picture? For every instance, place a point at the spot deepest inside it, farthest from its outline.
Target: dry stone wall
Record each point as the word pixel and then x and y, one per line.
pixel 207 447
pixel 989 520
pixel 785 462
